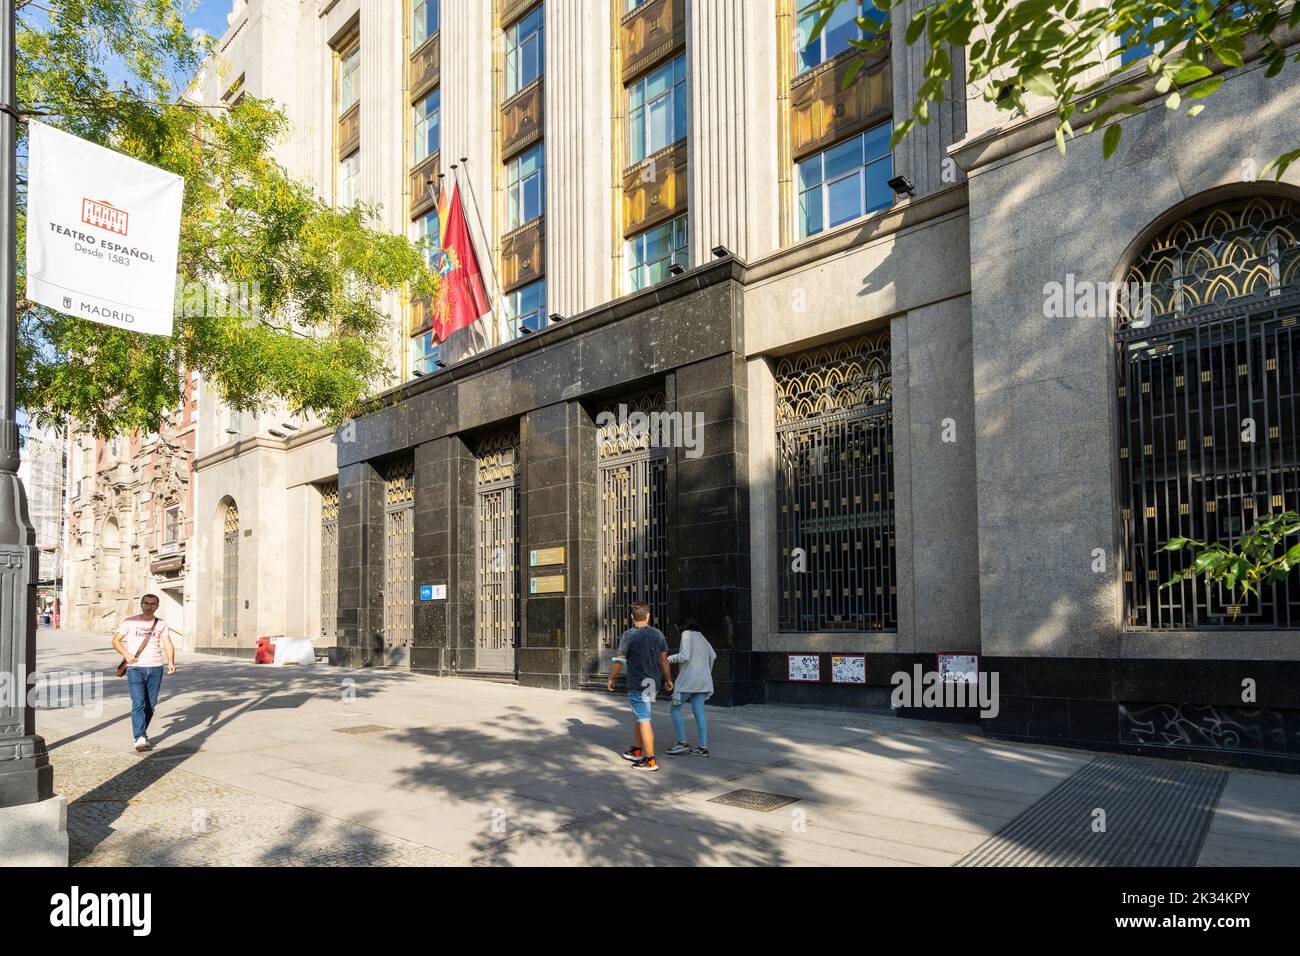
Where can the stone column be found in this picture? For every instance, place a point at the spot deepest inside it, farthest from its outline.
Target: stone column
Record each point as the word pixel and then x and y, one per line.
pixel 559 511
pixel 445 536
pixel 709 553
pixel 361 566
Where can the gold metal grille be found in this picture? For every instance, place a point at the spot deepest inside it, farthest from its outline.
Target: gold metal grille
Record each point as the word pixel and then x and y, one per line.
pixel 1216 256
pixel 497 618
pixel 632 483
pixel 230 575
pixel 836 378
pixel 399 553
pixel 329 561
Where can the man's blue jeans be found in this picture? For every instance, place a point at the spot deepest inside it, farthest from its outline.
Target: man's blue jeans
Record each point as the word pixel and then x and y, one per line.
pixel 144 684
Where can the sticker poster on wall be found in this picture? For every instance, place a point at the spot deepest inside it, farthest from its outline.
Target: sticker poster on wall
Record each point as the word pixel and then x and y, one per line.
pixel 848 669
pixel 805 667
pixel 959 668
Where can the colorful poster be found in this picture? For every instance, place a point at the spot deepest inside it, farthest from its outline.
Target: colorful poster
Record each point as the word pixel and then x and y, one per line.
pixel 959 668
pixel 805 667
pixel 848 669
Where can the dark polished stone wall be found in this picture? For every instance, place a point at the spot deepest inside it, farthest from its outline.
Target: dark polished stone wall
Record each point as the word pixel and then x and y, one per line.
pixel 684 337
pixel 1187 709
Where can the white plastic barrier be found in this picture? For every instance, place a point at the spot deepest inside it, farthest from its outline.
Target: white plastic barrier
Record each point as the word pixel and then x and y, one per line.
pixel 294 650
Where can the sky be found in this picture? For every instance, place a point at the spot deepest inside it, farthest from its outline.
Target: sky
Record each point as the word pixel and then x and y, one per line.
pixel 210 15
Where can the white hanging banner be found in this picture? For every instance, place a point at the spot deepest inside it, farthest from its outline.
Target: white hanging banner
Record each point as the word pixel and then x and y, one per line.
pixel 103 231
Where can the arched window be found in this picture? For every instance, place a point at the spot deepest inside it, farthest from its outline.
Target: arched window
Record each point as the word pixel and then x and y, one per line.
pixel 230 573
pixel 1208 381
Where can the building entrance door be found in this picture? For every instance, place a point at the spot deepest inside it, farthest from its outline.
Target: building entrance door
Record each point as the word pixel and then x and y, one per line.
pixel 632 484
pixel 497 513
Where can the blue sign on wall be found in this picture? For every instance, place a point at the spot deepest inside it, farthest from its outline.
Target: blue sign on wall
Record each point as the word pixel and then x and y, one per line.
pixel 426 592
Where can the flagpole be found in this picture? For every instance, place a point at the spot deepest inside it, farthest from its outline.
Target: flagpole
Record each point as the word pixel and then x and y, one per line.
pixel 25 772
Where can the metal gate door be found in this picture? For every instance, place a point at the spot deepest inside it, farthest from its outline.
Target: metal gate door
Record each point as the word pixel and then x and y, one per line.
pixel 399 553
pixel 230 575
pixel 633 527
pixel 498 552
pixel 329 562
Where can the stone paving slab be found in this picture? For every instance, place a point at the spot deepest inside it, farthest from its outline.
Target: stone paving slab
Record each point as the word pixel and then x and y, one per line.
pixel 251 769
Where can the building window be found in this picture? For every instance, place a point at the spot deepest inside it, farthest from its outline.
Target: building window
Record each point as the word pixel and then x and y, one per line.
pixel 525 188
pixel 428 129
pixel 349 77
pixel 171 524
pixel 650 254
pixel 1205 341
pixel 835 489
pixel 526 308
pixel 524 54
pixel 426 13
pixel 836 35
pixel 426 233
pixel 846 181
pixel 656 110
pixel 349 172
pixel 424 353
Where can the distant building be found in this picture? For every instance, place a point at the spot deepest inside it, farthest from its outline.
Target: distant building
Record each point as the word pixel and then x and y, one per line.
pixel 129 505
pixel 41 472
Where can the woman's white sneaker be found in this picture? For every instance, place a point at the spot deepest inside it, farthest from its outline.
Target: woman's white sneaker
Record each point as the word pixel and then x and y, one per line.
pixel 141 744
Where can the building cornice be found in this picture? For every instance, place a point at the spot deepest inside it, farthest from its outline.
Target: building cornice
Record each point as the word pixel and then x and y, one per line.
pixel 991 146
pixel 245 445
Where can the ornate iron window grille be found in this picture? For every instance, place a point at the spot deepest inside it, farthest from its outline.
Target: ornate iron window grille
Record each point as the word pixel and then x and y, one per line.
pixel 835 489
pixel 1208 399
pixel 632 482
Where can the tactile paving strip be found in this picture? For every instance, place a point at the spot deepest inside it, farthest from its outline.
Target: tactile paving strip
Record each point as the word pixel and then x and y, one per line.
pixel 1156 813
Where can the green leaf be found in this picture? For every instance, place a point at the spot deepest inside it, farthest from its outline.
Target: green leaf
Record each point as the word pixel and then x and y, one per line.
pixel 1174 100
pixel 1110 140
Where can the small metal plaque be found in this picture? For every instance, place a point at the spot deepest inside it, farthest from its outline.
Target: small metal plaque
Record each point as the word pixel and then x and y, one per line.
pixel 545 556
pixel 547 584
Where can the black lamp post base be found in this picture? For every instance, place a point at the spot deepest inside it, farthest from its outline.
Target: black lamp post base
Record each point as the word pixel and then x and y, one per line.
pixel 25 772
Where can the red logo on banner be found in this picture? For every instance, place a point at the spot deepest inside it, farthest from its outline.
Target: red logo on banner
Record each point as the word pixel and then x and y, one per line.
pixel 102 214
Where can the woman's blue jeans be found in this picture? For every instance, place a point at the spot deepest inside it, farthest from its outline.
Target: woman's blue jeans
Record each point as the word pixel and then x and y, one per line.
pixel 144 684
pixel 697 705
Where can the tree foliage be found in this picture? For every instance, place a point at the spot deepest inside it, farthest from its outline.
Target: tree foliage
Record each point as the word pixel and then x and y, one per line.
pixel 112 72
pixel 1069 53
pixel 1251 562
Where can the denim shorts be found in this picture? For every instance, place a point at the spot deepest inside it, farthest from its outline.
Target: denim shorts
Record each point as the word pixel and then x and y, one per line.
pixel 640 706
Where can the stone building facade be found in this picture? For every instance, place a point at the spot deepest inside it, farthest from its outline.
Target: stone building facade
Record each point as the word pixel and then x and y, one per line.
pixel 694 228
pixel 42 472
pixel 129 507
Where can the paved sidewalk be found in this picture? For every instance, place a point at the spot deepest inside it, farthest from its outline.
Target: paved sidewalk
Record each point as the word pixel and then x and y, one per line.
pixel 259 765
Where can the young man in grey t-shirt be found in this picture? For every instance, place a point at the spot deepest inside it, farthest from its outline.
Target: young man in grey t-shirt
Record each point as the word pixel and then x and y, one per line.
pixel 644 651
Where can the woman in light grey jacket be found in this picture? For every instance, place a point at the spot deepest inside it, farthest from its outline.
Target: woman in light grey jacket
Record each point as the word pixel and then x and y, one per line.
pixel 694 685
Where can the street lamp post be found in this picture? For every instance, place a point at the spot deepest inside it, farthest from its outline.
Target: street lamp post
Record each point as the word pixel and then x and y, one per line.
pixel 25 772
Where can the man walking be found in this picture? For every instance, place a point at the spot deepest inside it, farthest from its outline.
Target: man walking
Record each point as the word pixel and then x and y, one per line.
pixel 142 640
pixel 644 651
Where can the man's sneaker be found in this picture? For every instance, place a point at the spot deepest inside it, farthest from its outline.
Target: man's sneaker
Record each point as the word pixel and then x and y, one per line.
pixel 646 763
pixel 680 747
pixel 141 744
pixel 633 753
pixel 699 752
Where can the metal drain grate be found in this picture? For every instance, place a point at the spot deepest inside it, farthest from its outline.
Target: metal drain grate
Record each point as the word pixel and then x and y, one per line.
pixel 754 800
pixel 1156 814
pixel 363 729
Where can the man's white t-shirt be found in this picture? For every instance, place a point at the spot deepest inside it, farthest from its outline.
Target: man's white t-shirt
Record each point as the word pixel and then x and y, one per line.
pixel 133 631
